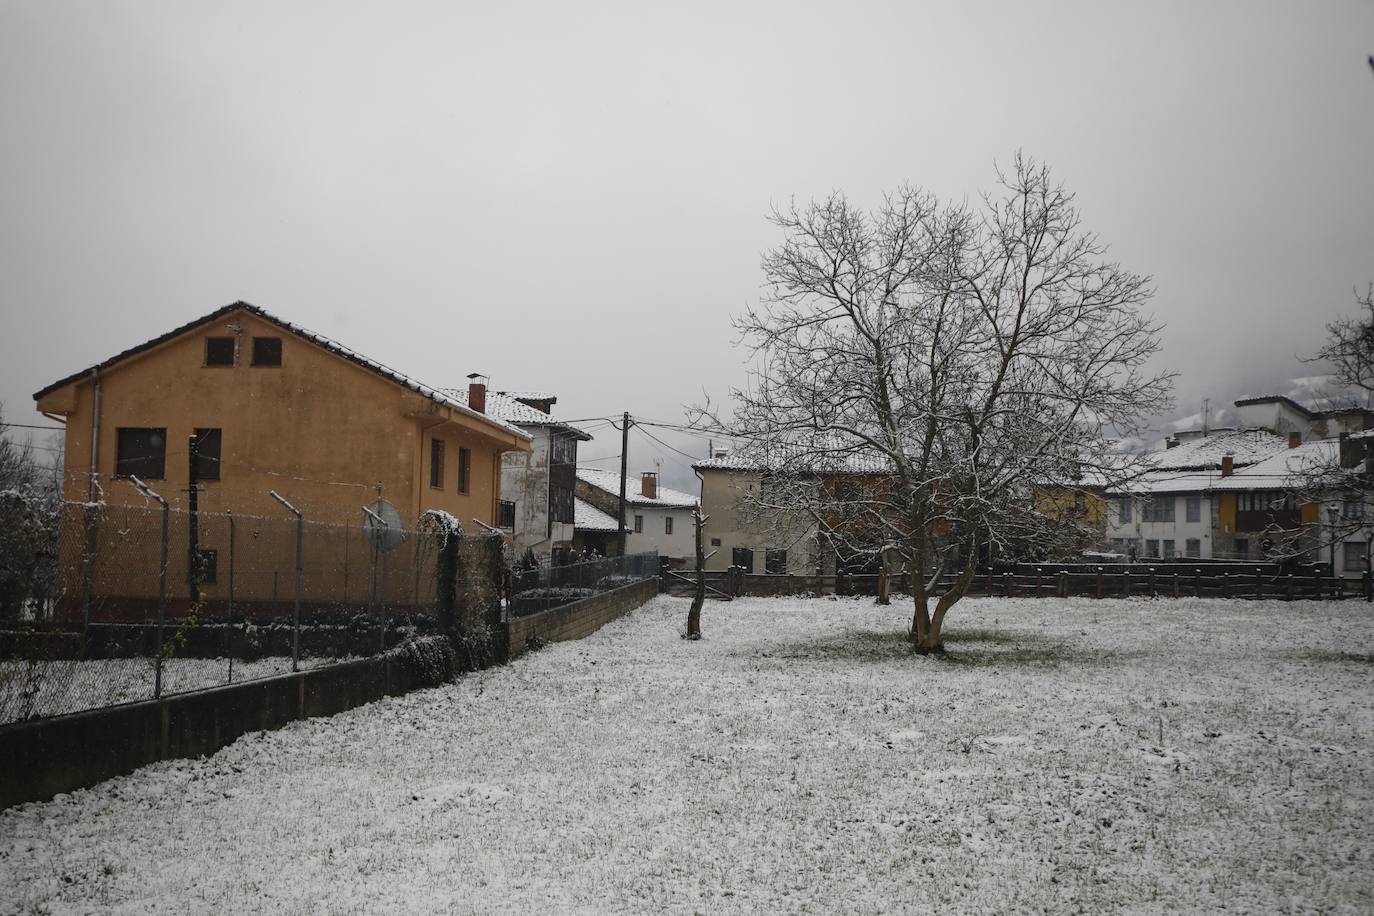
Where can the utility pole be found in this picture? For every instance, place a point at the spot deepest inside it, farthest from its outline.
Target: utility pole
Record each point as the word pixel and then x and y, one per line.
pixel 624 457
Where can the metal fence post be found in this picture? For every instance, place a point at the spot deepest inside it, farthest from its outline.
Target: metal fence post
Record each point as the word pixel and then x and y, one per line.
pixel 161 584
pixel 229 640
pixel 296 609
pixel 378 546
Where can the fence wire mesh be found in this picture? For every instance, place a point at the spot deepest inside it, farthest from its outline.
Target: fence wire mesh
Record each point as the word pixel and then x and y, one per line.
pixel 91 617
pixel 538 588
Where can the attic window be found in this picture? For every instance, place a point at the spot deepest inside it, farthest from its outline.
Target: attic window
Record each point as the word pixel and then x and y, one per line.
pixel 219 351
pixel 267 351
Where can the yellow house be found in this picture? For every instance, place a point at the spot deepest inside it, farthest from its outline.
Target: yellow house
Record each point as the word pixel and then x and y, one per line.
pixel 273 406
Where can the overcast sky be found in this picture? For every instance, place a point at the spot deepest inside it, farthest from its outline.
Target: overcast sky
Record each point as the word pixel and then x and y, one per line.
pixel 572 197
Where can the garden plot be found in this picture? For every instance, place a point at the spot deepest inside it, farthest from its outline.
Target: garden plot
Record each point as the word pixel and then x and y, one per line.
pixel 1070 755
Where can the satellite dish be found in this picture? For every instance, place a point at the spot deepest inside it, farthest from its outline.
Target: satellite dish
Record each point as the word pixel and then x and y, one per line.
pixel 384 537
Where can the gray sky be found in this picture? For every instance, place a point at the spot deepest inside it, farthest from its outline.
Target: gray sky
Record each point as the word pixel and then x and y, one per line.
pixel 572 197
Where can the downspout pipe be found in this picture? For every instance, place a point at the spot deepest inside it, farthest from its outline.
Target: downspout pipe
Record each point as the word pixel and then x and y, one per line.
pixel 95 436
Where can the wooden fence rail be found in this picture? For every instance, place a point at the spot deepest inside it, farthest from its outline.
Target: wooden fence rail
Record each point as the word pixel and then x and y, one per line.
pixel 1170 581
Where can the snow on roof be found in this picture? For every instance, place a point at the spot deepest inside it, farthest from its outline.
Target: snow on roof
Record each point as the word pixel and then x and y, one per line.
pixel 506 407
pixel 801 460
pixel 532 395
pixel 609 482
pixel 434 394
pixel 1167 482
pixel 1290 467
pixel 587 517
pixel 1246 447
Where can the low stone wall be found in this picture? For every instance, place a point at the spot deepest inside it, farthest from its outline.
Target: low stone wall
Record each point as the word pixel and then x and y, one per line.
pixel 42 758
pixel 580 618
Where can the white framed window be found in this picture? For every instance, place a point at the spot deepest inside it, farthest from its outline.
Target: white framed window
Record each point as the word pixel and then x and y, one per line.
pixel 1193 507
pixel 1193 547
pixel 1352 553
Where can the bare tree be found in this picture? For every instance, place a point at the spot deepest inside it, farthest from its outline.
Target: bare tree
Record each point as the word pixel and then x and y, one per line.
pixel 919 365
pixel 1350 346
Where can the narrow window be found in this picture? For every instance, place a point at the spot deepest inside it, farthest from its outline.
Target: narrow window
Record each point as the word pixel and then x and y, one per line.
pixel 507 515
pixel 1123 509
pixel 436 463
pixel 742 557
pixel 207 454
pixel 267 351
pixel 1193 547
pixel 1152 549
pixel 1193 508
pixel 219 351
pixel 775 562
pixel 639 524
pixel 667 524
pixel 141 452
pixel 1169 550
pixel 464 469
pixel 1352 508
pixel 1353 554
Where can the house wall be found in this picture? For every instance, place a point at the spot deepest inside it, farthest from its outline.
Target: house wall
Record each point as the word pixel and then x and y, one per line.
pixel 722 499
pixel 525 481
pixel 1179 530
pixel 678 545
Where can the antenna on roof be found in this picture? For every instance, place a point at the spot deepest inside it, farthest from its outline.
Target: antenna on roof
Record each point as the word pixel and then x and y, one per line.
pixel 1206 414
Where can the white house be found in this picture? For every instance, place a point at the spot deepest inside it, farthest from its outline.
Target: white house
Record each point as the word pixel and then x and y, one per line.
pixel 537 486
pixel 656 517
pixel 1170 510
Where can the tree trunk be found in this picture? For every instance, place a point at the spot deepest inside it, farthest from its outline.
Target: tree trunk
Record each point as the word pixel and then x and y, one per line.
pixel 920 619
pixel 699 597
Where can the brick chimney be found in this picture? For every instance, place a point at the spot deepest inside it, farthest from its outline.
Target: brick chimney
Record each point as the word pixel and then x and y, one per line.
pixel 1294 439
pixel 648 485
pixel 477 396
pixel 1228 465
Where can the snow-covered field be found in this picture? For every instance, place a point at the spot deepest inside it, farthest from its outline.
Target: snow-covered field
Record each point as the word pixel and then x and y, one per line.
pixel 58 687
pixel 1068 756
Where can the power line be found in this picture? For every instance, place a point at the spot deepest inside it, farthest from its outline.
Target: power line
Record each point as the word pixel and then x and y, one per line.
pixel 60 429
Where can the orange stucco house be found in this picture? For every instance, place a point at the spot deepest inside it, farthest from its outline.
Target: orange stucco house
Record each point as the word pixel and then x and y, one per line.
pixel 273 407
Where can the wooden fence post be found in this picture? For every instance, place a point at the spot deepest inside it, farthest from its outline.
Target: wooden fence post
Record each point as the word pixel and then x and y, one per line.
pixel 1226 585
pixel 1099 581
pixel 1038 572
pixel 1154 593
pixel 1288 587
pixel 1176 584
pixel 1197 582
pixel 1317 583
pixel 1259 583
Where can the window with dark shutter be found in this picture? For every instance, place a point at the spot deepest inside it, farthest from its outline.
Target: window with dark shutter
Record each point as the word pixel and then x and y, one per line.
pixel 219 351
pixel 464 469
pixel 207 454
pixel 506 518
pixel 668 524
pixel 742 557
pixel 141 452
pixel 436 464
pixel 267 351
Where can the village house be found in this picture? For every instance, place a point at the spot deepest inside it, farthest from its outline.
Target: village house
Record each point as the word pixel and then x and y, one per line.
pixel 656 517
pixel 270 406
pixel 1168 511
pixel 537 485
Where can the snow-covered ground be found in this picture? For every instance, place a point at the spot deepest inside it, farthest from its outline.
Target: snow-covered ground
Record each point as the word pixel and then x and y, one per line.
pixel 57 687
pixel 1067 756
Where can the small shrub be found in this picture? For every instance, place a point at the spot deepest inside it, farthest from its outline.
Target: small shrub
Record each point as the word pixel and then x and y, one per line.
pixel 429 659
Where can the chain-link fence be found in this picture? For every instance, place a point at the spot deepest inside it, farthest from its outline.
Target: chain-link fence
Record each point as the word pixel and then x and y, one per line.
pixel 105 604
pixel 538 588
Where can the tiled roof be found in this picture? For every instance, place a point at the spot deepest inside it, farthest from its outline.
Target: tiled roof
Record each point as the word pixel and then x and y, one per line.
pixel 509 409
pixel 609 482
pixel 434 394
pixel 1289 468
pixel 1246 447
pixel 587 517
